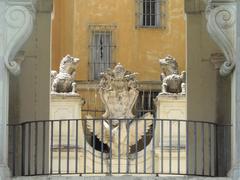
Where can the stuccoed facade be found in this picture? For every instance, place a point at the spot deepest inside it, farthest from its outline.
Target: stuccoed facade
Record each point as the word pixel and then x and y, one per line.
pixel 136 47
pixel 209 96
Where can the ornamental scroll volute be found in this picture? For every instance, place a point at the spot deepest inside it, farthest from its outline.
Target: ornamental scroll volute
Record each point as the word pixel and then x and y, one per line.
pixel 19 20
pixel 221 25
pixel 16 25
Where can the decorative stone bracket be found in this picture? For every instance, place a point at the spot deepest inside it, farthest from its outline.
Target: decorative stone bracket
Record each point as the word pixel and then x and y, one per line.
pixel 16 19
pixel 221 25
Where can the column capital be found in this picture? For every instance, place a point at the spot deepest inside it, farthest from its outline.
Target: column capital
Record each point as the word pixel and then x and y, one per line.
pixel 16 22
pixel 221 26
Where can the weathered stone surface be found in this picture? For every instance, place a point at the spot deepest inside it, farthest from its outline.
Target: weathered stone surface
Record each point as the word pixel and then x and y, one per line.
pixel 118 92
pixel 217 59
pixel 126 177
pixel 16 24
pixel 221 25
pixel 63 82
pixel 171 107
pixel 172 81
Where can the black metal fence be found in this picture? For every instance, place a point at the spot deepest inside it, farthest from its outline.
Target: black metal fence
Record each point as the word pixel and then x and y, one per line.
pixel 123 146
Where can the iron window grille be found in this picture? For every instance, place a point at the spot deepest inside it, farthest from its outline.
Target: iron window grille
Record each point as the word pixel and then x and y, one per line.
pixel 151 14
pixel 101 48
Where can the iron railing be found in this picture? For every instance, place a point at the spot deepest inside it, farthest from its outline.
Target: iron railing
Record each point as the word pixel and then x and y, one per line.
pixel 97 146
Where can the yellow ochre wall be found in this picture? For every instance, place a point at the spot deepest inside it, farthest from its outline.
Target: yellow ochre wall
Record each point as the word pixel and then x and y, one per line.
pixel 138 49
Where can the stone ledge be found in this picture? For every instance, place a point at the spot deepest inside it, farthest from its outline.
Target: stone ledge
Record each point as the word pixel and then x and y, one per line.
pixel 120 178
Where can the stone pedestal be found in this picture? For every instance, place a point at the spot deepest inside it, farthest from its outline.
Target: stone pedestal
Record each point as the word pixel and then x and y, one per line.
pixel 171 107
pixel 66 106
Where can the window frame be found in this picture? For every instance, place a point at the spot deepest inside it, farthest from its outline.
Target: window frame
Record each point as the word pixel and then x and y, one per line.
pixel 101 30
pixel 144 18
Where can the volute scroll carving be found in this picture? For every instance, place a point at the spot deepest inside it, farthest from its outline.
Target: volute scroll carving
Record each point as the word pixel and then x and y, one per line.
pixel 19 20
pixel 16 25
pixel 221 25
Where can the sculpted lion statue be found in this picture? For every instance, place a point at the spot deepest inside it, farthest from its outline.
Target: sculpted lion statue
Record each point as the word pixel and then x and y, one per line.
pixel 63 82
pixel 172 81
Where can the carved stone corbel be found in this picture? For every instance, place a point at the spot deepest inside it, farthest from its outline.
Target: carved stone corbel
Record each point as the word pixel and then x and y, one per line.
pixel 221 25
pixel 18 20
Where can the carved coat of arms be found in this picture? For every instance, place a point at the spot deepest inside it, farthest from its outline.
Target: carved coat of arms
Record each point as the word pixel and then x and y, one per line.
pixel 118 92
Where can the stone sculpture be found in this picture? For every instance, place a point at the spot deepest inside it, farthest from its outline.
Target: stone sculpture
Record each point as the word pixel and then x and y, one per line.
pixel 63 82
pixel 172 81
pixel 118 92
pixel 125 128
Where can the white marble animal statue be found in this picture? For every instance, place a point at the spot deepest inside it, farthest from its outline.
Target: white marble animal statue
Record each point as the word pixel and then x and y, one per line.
pixel 63 82
pixel 172 81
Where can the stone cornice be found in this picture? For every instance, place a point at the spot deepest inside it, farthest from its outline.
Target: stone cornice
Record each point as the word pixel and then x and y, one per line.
pixel 221 25
pixel 16 21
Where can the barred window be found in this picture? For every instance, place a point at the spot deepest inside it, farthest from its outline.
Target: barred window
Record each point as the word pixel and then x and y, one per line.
pixel 101 49
pixel 151 13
